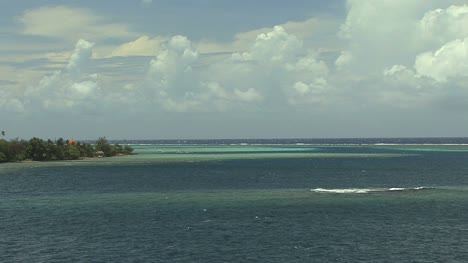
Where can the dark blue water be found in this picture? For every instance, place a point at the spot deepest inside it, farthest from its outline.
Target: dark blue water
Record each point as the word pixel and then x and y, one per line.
pixel 240 207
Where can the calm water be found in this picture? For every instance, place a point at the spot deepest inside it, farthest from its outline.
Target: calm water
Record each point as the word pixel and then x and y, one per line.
pixel 227 202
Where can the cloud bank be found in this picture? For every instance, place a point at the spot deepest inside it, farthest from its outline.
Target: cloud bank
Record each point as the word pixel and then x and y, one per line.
pixel 387 56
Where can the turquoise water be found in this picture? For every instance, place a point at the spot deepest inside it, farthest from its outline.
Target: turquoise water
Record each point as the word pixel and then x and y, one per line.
pixel 202 203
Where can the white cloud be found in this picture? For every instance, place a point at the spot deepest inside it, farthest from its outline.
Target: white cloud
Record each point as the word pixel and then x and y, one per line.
pixel 314 93
pixel 403 53
pixel 383 33
pixel 275 47
pixel 391 59
pixel 402 76
pixel 150 46
pixel 9 102
pixel 79 58
pixel 305 30
pixel 444 32
pixel 69 89
pixel 248 95
pixel 143 46
pixel 263 74
pixel 440 25
pixel 71 24
pixel 344 59
pixel 402 79
pixel 274 62
pixel 450 61
pixel 171 76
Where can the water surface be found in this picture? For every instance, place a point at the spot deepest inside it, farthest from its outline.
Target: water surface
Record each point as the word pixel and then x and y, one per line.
pixel 240 203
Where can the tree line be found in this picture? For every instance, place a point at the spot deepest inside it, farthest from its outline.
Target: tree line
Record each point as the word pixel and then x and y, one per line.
pixel 36 149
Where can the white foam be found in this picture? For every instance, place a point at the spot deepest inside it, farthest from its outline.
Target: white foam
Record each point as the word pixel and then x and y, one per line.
pixel 343 191
pixel 367 190
pixel 423 188
pixel 396 189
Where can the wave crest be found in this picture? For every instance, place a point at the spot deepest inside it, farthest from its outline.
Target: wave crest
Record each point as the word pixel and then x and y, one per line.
pixel 368 190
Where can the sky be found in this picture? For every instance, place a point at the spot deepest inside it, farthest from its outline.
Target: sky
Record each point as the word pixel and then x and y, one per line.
pixel 212 69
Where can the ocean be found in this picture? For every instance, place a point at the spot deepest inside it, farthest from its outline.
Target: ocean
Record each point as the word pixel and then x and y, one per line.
pixel 285 200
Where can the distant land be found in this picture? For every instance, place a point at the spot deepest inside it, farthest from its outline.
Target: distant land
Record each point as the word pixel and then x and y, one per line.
pixel 17 150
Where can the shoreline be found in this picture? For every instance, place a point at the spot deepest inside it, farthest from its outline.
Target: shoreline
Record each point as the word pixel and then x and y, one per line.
pixel 68 160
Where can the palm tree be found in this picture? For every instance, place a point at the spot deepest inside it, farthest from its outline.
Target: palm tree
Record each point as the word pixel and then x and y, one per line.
pixel 3 134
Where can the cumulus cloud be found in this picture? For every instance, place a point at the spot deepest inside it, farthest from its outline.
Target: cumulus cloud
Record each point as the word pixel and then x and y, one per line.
pixel 401 74
pixel 314 93
pixel 444 33
pixel 79 58
pixel 404 54
pixel 248 95
pixel 9 102
pixel 383 33
pixel 402 87
pixel 68 89
pixel 171 76
pixel 272 48
pixel 305 30
pixel 450 61
pixel 440 25
pixel 388 59
pixel 273 64
pixel 343 59
pixel 178 79
pixel 264 75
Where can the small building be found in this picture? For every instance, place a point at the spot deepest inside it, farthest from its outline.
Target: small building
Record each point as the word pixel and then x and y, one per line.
pixel 100 154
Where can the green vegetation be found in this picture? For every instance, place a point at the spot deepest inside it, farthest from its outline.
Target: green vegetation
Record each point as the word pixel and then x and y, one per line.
pixel 36 149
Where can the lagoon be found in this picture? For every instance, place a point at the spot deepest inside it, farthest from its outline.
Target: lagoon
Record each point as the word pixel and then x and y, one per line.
pixel 240 203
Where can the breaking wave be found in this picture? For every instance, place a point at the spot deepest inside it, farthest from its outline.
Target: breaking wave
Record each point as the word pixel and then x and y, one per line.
pixel 368 190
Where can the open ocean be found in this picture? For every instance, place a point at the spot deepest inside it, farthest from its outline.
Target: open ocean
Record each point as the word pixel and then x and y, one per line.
pixel 300 200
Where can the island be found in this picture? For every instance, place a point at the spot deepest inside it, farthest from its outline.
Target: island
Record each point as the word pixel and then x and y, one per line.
pixel 36 149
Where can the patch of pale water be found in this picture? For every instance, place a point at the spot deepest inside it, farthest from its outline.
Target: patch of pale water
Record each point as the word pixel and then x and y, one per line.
pixel 175 154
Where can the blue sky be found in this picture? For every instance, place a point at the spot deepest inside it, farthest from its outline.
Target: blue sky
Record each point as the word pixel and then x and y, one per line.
pixel 233 69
